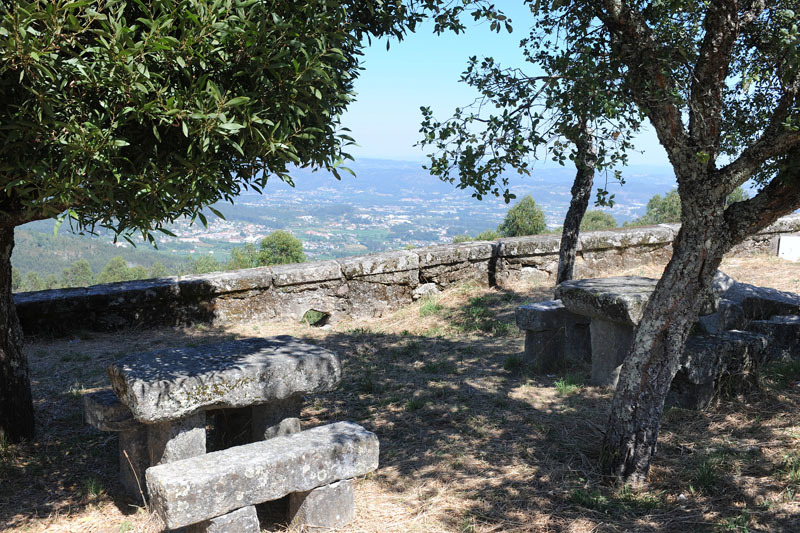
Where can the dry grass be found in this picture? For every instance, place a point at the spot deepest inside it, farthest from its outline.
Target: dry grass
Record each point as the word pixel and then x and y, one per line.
pixel 470 441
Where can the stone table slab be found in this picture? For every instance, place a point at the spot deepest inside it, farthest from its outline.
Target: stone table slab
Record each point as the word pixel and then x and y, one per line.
pixel 173 383
pixel 619 299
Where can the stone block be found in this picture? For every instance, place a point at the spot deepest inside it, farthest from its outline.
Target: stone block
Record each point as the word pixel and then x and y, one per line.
pixel 267 418
pixel 425 290
pixel 577 338
pixel 625 238
pixel 544 350
pixel 134 459
pixel 196 489
pixel 244 520
pixel 177 439
pixel 450 254
pixel 730 315
pixel 724 364
pixel 383 263
pixel 239 280
pixel 330 507
pixel 541 316
pixel 527 246
pixel 103 410
pixel 618 299
pixel 610 344
pixel 172 383
pixel 761 303
pixel 306 273
pixel 784 336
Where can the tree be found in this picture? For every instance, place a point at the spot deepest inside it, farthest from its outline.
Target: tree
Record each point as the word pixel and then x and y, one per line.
pixel 130 115
pixel 116 270
pixel 667 209
pixel 523 218
pixel 719 83
pixel 244 257
pixel 79 274
pixel 158 270
pixel 280 248
pixel 560 110
pixel 204 264
pixel 596 219
pixel 32 282
pixel 661 210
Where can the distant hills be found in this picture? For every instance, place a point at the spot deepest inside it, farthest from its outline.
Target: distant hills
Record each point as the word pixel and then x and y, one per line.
pixel 387 205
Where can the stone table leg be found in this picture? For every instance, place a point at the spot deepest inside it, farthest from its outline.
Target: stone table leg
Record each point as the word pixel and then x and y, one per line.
pixel 281 417
pixel 133 460
pixel 331 506
pixel 610 344
pixel 175 440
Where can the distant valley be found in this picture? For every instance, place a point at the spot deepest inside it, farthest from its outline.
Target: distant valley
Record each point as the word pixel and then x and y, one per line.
pixel 389 205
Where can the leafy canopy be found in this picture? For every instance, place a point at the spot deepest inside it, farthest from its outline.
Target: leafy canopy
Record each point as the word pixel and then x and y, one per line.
pixel 131 114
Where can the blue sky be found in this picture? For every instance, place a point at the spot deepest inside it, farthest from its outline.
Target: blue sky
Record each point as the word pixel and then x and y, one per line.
pixel 424 69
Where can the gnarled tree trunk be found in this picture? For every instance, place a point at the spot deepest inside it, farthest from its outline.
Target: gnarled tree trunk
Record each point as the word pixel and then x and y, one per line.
pixel 16 415
pixel 585 161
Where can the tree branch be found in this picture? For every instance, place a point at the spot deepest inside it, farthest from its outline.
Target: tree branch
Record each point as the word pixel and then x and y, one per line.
pixel 640 52
pixel 774 141
pixel 780 197
pixel 721 27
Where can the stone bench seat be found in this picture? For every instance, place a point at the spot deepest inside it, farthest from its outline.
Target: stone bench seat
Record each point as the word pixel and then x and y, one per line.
pixel 171 384
pixel 213 485
pixel 717 365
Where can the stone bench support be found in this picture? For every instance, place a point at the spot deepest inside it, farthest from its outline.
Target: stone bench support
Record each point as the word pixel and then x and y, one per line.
pixel 199 488
pixel 244 520
pixel 328 507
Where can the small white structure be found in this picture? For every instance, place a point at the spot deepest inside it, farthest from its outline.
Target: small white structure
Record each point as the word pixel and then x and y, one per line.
pixel 789 247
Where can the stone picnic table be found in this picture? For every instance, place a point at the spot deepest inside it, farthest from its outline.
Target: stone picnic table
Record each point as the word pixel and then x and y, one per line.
pixel 595 319
pixel 158 400
pixel 614 306
pixel 253 388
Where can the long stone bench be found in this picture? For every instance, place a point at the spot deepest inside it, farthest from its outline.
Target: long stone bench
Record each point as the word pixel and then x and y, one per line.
pixel 209 487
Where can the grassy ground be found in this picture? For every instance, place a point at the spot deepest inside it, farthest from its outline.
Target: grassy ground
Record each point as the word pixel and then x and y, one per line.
pixel 470 440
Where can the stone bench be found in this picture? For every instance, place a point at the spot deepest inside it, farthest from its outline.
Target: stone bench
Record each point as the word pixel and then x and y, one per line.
pixel 219 488
pixel 717 365
pixel 160 399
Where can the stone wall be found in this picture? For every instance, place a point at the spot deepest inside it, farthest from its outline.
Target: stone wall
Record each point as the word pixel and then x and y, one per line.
pixel 363 286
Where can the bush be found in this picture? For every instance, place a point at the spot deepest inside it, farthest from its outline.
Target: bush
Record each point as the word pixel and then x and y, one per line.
pixel 281 248
pixel 596 219
pixel 524 218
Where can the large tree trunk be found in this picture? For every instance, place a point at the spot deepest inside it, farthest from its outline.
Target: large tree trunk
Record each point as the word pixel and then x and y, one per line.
pixel 646 375
pixel 16 404
pixel 585 161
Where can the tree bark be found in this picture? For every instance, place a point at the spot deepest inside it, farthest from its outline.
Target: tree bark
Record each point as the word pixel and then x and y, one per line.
pixel 586 158
pixel 646 375
pixel 16 403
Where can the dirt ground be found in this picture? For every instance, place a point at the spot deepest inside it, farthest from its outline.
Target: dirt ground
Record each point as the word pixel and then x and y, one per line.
pixel 471 440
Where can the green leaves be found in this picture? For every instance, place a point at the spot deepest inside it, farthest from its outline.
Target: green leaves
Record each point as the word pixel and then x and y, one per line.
pixel 133 114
